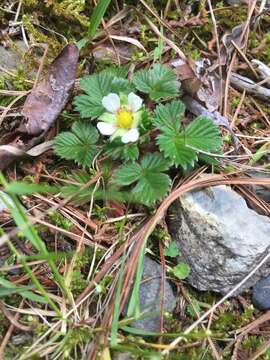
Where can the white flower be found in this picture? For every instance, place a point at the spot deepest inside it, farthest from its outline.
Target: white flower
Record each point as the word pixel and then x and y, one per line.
pixel 122 117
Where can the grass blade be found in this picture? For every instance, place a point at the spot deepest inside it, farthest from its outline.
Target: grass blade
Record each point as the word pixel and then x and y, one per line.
pixel 134 304
pixel 97 16
pixel 117 303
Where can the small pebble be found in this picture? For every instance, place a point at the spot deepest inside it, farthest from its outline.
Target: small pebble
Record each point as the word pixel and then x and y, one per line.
pixel 261 294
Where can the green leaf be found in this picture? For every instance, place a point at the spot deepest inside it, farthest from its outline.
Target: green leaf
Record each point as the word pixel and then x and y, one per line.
pixel 97 16
pixel 194 309
pixel 155 163
pixel 169 116
pixel 175 149
pixel 78 144
pixel 151 187
pixel 96 87
pixel 151 183
pixel 82 195
pixel 120 85
pixel 117 150
pixel 209 160
pixel 117 71
pixel 181 271
pixel 9 288
pixel 116 310
pixel 127 174
pixel 172 250
pixel 203 134
pixel 159 82
pixel 23 188
pixel 183 146
pixel 134 301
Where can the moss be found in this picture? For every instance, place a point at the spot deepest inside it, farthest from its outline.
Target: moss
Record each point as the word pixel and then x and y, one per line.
pixel 253 342
pixel 30 3
pixel 75 337
pixel 229 18
pixel 235 102
pixel 60 220
pixel 38 36
pixel 78 282
pixel 19 81
pixel 70 9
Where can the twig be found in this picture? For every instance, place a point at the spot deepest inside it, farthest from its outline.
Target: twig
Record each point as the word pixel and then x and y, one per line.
pixel 244 83
pixel 228 78
pixel 238 109
pixel 14 320
pixel 218 47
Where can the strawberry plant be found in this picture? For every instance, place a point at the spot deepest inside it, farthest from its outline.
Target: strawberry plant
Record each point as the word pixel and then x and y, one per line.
pixel 137 125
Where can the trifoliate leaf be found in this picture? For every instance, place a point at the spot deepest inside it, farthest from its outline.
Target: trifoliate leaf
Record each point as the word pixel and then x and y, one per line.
pixel 181 271
pixel 159 82
pixel 169 116
pixel 96 87
pixel 174 148
pixel 78 144
pixel 183 147
pixel 172 250
pixel 151 183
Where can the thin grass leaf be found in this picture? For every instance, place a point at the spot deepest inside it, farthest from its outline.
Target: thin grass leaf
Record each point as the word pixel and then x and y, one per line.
pixel 116 311
pixel 9 288
pixel 134 302
pixel 28 230
pixel 97 16
pixel 142 332
pixel 23 188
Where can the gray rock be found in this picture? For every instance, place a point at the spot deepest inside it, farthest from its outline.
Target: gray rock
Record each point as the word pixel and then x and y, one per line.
pixel 220 238
pixel 261 294
pixel 262 191
pixel 22 338
pixel 149 297
pixel 10 59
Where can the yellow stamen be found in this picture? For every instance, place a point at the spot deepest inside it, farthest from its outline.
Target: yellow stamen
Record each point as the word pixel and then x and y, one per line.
pixel 124 119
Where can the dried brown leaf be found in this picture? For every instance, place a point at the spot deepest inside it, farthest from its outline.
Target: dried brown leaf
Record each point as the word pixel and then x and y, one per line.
pixel 42 106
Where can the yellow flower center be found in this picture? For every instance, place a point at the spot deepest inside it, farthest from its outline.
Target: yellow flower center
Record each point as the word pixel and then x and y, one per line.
pixel 124 119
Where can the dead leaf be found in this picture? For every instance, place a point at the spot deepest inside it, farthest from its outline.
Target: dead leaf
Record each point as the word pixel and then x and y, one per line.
pixel 49 97
pixel 227 46
pixel 42 106
pixel 199 82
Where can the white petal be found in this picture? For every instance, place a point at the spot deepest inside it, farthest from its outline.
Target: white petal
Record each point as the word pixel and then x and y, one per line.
pixel 111 102
pixel 130 136
pixel 134 102
pixel 105 128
